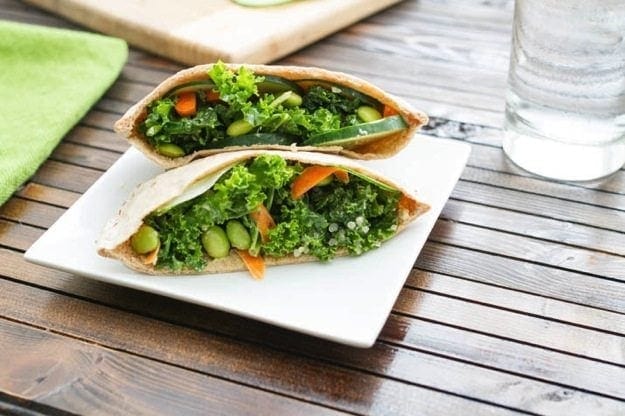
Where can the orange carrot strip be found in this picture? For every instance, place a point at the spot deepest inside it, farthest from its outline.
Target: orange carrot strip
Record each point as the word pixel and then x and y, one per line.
pixel 212 95
pixel 406 203
pixel 309 178
pixel 342 175
pixel 152 256
pixel 263 221
pixel 186 104
pixel 255 265
pixel 389 111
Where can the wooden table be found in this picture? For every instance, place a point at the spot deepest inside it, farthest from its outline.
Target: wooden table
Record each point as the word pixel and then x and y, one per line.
pixel 515 305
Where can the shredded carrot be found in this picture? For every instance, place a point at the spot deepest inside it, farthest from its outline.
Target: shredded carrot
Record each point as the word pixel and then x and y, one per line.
pixel 309 178
pixel 212 95
pixel 186 104
pixel 406 203
pixel 152 256
pixel 389 111
pixel 342 175
pixel 263 221
pixel 255 265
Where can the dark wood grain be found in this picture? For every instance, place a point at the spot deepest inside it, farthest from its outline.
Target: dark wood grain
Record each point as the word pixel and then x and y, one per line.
pixel 40 366
pixel 206 319
pixel 268 369
pixel 523 276
pixel 100 138
pixel 534 226
pixel 51 196
pixel 68 177
pixel 515 304
pixel 512 300
pixel 30 212
pixel 18 236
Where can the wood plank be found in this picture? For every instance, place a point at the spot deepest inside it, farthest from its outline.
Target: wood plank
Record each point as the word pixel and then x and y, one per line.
pixel 253 365
pixel 492 158
pixel 528 249
pixel 111 105
pixel 207 319
pixel 30 212
pixel 84 156
pixel 547 207
pixel 84 378
pixel 128 92
pixel 514 326
pixel 47 194
pixel 146 60
pixel 522 276
pixel 97 137
pixel 148 76
pixel 18 236
pixel 565 194
pixel 514 301
pixel 101 120
pixel 534 226
pixel 64 176
pixel 507 355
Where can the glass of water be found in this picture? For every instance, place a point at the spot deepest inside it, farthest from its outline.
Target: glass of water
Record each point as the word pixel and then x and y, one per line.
pixel 565 108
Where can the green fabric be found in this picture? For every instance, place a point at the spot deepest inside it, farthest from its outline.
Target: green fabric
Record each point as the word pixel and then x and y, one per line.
pixel 49 78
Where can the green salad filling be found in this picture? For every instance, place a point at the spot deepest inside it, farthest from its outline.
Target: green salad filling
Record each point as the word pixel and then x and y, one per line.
pixel 252 208
pixel 240 108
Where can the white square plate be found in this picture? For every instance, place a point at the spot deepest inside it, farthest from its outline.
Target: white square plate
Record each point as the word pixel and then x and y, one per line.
pixel 346 300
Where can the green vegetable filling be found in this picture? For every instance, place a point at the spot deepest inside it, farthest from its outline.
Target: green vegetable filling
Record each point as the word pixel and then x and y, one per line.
pixel 355 217
pixel 319 110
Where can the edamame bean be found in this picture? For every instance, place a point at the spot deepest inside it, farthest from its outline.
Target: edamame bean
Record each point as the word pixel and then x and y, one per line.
pixel 170 150
pixel 216 242
pixel 293 100
pixel 238 128
pixel 238 235
pixel 368 114
pixel 144 240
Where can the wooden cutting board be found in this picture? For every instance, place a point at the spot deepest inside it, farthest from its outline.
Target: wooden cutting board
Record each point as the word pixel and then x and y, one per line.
pixel 201 31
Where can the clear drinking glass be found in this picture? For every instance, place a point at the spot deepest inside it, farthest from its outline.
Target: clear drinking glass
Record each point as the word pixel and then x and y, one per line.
pixel 565 108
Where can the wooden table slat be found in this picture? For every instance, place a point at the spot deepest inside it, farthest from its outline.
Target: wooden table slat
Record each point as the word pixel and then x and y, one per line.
pixel 515 305
pixel 255 366
pixel 40 366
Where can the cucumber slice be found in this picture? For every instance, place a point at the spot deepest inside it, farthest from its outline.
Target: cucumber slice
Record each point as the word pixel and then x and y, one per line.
pixel 260 3
pixel 277 85
pixel 352 136
pixel 192 86
pixel 252 139
pixel 345 91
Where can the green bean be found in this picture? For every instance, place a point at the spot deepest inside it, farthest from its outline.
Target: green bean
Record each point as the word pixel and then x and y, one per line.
pixel 368 114
pixel 144 240
pixel 216 242
pixel 239 128
pixel 238 235
pixel 293 100
pixel 170 150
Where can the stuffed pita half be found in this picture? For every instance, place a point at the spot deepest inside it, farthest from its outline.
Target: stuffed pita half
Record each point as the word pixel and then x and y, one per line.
pixel 248 209
pixel 214 108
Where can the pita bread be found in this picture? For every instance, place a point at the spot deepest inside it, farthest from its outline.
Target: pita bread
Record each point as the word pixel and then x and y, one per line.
pixel 385 147
pixel 114 241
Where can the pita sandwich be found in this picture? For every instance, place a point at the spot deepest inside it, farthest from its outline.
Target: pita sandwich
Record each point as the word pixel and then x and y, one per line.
pixel 221 107
pixel 247 209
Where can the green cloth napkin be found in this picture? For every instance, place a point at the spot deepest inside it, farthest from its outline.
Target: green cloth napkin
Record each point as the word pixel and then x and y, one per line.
pixel 49 78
